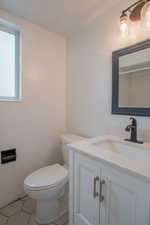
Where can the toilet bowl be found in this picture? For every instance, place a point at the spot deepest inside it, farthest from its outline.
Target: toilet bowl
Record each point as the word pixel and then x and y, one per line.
pixel 46 186
pixel 49 185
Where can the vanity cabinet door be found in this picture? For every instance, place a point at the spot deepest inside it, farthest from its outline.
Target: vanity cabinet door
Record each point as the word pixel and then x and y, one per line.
pixel 86 191
pixel 126 200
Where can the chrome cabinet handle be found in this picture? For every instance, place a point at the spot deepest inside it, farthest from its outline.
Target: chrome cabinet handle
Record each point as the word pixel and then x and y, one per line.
pixel 95 193
pixel 101 197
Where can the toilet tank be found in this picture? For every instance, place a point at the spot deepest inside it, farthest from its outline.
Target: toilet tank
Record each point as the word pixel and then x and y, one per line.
pixel 65 140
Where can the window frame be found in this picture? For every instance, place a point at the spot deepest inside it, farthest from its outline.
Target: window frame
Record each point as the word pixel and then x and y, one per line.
pixel 12 29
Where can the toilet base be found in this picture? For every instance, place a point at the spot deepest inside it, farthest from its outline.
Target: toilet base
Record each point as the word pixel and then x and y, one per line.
pixel 48 212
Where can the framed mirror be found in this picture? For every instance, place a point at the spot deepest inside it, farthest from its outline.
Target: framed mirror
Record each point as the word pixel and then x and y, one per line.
pixel 131 80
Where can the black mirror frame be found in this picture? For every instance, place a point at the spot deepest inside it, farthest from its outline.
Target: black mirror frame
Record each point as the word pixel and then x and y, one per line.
pixel 115 81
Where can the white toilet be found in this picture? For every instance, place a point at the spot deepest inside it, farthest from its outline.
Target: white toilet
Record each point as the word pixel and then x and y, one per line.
pixel 47 185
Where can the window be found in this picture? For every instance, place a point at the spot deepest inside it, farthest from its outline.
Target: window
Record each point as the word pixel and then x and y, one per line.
pixel 9 63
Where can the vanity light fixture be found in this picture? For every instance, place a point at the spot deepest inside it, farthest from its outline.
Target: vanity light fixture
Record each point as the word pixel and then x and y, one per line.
pixel 139 11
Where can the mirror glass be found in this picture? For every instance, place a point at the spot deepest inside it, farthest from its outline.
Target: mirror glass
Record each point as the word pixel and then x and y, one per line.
pixel 134 79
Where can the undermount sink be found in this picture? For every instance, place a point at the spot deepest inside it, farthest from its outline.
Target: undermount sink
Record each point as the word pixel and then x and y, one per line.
pixel 127 149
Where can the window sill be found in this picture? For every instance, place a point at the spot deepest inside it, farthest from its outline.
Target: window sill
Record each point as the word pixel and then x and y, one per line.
pixel 11 100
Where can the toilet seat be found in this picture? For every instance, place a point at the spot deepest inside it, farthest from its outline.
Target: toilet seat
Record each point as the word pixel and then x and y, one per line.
pixel 47 178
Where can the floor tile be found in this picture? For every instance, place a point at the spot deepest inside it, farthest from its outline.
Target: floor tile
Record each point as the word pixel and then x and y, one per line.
pixel 3 220
pixel 62 220
pixel 25 198
pixel 32 221
pixel 29 206
pixel 19 219
pixel 11 209
pixel 22 213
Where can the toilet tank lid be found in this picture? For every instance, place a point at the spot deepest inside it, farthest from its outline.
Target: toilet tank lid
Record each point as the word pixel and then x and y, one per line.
pixel 70 138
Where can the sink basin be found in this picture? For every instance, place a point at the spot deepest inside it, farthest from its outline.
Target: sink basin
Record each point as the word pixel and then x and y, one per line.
pixel 127 149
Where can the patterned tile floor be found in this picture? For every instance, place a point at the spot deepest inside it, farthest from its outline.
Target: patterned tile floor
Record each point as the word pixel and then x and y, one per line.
pixel 21 213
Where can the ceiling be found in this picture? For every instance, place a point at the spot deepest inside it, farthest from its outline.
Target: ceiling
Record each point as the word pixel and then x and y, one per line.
pixel 62 16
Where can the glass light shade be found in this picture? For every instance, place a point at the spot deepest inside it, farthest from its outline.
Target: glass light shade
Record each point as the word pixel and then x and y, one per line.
pixel 124 25
pixel 134 30
pixel 145 14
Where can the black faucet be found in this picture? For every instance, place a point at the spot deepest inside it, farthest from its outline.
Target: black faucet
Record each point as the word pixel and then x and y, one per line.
pixel 133 128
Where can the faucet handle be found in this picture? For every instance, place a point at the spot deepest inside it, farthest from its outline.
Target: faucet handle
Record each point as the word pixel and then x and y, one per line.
pixel 133 120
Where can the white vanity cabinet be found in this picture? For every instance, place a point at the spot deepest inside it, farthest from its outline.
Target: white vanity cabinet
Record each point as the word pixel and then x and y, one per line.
pixel 86 192
pixel 126 199
pixel 102 195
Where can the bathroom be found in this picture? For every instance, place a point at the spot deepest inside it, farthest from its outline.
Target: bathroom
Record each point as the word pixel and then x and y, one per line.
pixel 65 88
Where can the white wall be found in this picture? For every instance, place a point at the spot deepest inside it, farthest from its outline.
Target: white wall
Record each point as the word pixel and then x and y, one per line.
pixel 33 126
pixel 89 77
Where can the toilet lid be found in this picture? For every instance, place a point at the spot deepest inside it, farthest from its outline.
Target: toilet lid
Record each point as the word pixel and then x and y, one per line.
pixel 46 177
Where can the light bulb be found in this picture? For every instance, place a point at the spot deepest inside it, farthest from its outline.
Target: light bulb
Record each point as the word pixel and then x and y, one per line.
pixel 124 24
pixel 145 14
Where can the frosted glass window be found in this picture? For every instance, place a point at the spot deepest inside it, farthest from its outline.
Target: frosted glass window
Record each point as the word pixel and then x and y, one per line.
pixel 9 65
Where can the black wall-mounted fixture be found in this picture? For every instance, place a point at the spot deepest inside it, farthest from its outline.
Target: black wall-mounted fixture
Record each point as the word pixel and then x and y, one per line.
pixel 133 129
pixel 8 156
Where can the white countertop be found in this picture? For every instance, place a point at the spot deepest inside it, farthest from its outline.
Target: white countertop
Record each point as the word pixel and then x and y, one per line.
pixel 138 167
